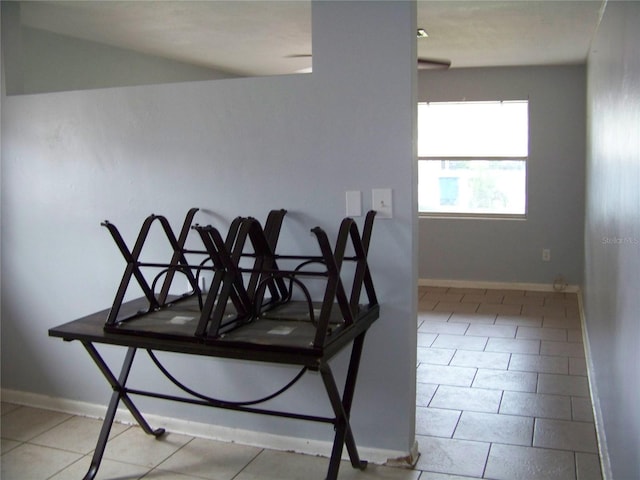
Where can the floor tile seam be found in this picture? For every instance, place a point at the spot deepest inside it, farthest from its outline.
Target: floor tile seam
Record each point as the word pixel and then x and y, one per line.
pixel 14 439
pixel 128 426
pixel 48 447
pixel 509 363
pixel 162 460
pixel 437 437
pixel 253 459
pixel 535 447
pixel 566 375
pixel 18 407
pixel 486 461
pixel 575 463
pixel 525 444
pixel 541 338
pixel 581 422
pixel 453 432
pixel 563 342
pixel 543 355
pixel 154 470
pixel 570 374
pixel 157 469
pixel 588 399
pixel 442 408
pixel 507 371
pixel 484 367
pixel 474 477
pixel 19 444
pixel 455 351
pixel 44 431
pixel 111 459
pixel 66 466
pixel 539 417
pixel 171 455
pixel 501 400
pixel 456 325
pixel 547 327
pixel 507 415
pixel 560 395
pixel 432 396
pixel 537 371
pixel 567 449
pixel 31 442
pixel 462 410
pixel 586 396
pixel 592 452
pixel 506 389
pixel 489 337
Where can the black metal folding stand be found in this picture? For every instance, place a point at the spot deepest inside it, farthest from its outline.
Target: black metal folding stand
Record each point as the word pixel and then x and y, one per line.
pixel 238 323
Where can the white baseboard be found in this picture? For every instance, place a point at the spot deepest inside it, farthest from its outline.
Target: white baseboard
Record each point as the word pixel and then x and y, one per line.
pixel 605 460
pixel 537 287
pixel 214 432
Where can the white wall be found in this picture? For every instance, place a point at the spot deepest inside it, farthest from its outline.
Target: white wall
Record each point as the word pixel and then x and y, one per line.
pixel 239 146
pixel 612 240
pixel 511 250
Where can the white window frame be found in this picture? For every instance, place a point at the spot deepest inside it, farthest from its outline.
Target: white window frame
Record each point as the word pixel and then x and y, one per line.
pixel 465 158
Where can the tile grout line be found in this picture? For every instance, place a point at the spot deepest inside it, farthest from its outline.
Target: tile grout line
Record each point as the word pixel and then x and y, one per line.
pixel 248 463
pixel 66 466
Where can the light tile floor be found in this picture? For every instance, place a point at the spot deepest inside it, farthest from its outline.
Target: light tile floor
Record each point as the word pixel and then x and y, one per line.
pixel 502 387
pixel 502 394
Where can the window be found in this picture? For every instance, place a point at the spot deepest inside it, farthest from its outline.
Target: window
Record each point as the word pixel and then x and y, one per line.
pixel 472 158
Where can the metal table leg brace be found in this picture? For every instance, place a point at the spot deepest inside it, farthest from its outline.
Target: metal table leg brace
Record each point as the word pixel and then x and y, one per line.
pixel 341 406
pixel 119 393
pixel 342 410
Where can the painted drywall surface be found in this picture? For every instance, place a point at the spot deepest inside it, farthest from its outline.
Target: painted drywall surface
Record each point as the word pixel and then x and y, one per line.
pixel 511 250
pixel 57 63
pixel 612 240
pixel 39 61
pixel 241 146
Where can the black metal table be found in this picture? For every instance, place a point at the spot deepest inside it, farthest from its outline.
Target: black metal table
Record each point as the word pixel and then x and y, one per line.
pixel 236 322
pixel 89 331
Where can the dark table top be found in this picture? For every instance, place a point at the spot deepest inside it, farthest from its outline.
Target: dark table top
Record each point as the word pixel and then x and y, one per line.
pixel 274 339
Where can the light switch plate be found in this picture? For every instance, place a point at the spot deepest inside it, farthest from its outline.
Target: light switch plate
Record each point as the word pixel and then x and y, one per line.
pixel 381 201
pixel 354 203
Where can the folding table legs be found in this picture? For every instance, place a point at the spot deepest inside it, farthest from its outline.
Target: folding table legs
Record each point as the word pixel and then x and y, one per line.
pixel 342 410
pixel 341 406
pixel 119 393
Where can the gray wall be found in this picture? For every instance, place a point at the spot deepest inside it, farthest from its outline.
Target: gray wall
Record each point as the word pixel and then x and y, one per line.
pixel 37 61
pixel 55 63
pixel 612 239
pixel 511 250
pixel 238 146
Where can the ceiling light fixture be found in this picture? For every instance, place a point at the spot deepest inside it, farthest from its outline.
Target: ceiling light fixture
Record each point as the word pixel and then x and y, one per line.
pixel 422 33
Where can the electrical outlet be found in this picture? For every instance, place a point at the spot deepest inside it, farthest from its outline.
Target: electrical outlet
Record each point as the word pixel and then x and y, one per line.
pixel 546 254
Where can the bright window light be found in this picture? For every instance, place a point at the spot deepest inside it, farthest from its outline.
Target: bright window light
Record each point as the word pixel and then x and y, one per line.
pixel 473 158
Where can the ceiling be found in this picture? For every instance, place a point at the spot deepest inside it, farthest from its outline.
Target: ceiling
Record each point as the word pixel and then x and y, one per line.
pixel 274 37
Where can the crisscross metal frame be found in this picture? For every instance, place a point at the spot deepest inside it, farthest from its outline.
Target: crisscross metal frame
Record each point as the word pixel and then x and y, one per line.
pixel 247 298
